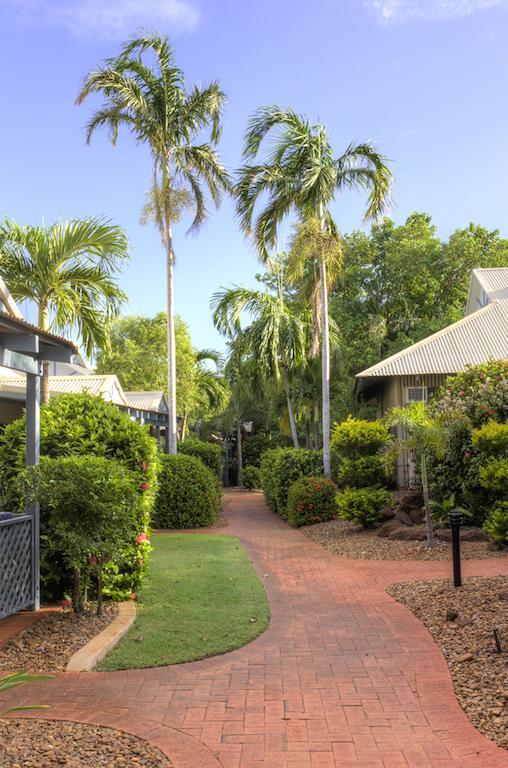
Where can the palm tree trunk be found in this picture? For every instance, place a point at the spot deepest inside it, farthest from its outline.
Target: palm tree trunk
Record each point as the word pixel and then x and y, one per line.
pixel 43 323
pixel 170 265
pixel 325 360
pixel 239 452
pixel 428 516
pixel 183 431
pixel 294 433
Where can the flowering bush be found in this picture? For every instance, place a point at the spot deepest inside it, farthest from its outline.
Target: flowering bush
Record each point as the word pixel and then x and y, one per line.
pixel 82 425
pixel 311 500
pixel 474 399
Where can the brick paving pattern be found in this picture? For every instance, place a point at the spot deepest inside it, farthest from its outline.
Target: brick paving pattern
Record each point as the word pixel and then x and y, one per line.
pixel 344 677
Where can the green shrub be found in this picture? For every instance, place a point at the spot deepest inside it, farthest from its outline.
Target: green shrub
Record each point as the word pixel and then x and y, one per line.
pixel 90 505
pixel 493 476
pixel 251 477
pixel 83 425
pixel 281 467
pixel 363 505
pixel 210 454
pixel 311 500
pixel 254 445
pixel 354 438
pixel 187 495
pixel 496 524
pixel 364 471
pixel 491 439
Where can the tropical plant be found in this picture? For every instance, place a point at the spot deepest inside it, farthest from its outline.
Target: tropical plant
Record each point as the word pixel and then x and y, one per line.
pixel 311 500
pixel 68 271
pixel 12 680
pixel 420 435
pixel 302 174
pixel 441 510
pixel 362 505
pixel 153 103
pixel 276 337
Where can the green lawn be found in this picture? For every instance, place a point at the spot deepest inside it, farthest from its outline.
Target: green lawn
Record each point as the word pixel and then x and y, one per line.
pixel 201 597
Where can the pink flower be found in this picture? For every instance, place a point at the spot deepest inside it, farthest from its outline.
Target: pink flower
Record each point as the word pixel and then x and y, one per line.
pixel 460 394
pixel 141 538
pixel 66 603
pixel 92 559
pixel 144 486
pixel 144 466
pixel 467 455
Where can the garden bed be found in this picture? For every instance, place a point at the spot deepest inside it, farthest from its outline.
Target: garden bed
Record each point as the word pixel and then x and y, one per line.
pixel 48 743
pixel 347 540
pixel 47 645
pixel 461 622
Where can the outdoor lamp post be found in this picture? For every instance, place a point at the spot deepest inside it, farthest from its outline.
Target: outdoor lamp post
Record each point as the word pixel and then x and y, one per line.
pixel 455 519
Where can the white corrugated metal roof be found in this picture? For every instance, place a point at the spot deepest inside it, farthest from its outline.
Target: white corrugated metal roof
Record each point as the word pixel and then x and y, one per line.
pixel 494 282
pixel 476 338
pixel 147 401
pixel 104 386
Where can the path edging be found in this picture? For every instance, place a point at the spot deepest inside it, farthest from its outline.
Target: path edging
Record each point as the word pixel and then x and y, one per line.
pixel 90 654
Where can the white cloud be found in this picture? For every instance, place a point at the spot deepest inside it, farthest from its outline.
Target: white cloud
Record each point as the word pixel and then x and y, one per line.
pixel 399 11
pixel 108 18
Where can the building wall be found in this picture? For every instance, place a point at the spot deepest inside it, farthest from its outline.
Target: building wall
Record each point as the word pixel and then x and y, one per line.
pixel 9 411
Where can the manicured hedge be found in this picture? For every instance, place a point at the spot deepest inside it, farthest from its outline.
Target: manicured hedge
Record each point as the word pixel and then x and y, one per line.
pixel 363 505
pixel 311 500
pixel 210 454
pixel 187 495
pixel 354 438
pixel 251 478
pixel 281 467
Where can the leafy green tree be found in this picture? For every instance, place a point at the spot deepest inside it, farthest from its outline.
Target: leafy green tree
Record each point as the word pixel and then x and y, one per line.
pixel 69 271
pixel 153 103
pixel 301 174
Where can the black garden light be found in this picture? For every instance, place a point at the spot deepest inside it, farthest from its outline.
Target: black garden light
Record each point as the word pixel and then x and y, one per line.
pixel 455 519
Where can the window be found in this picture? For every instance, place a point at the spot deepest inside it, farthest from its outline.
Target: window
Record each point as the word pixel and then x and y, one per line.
pixel 416 394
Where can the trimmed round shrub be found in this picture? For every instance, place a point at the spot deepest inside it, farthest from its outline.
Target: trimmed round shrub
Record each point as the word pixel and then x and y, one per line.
pixel 363 471
pixel 493 476
pixel 251 478
pixel 491 439
pixel 496 525
pixel 210 454
pixel 187 494
pixel 84 425
pixel 354 438
pixel 363 505
pixel 281 467
pixel 311 500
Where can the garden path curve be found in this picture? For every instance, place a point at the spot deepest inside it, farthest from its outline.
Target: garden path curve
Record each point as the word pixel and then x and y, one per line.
pixel 344 677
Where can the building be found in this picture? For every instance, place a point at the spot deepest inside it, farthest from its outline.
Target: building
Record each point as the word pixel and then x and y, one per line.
pixel 414 373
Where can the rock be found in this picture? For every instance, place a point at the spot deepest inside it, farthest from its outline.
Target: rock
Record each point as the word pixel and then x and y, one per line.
pixel 502 596
pixel 496 711
pixel 451 615
pixel 407 533
pixel 465 657
pixel 403 517
pixel 409 500
pixel 417 515
pixel 388 513
pixel 385 530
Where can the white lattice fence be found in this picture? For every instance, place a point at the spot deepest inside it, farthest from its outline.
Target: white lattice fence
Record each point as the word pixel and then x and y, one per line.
pixel 16 564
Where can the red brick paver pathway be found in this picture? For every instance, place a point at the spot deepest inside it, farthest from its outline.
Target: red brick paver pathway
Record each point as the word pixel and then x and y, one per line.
pixel 344 677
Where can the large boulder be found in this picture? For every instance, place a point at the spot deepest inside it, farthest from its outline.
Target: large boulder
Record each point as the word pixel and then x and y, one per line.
pixel 466 534
pixel 387 528
pixel 408 533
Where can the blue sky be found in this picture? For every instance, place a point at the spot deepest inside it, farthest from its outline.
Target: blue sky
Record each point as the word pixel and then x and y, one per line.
pixel 424 79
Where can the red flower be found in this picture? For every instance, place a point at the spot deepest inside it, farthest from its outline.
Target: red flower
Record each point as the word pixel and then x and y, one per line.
pixel 141 538
pixel 144 486
pixel 66 603
pixel 460 394
pixel 144 466
pixel 467 455
pixel 92 559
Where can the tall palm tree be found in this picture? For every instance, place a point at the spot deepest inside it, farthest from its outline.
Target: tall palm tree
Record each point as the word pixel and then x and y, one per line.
pixel 301 174
pixel 210 389
pixel 68 270
pixel 154 105
pixel 276 338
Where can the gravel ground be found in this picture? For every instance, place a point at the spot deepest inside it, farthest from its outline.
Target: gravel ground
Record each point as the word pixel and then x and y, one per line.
pixel 347 540
pixel 48 644
pixel 461 622
pixel 51 743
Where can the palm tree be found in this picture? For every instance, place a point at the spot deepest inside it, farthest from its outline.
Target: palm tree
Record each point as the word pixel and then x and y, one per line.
pixel 68 270
pixel 152 102
pixel 209 387
pixel 301 174
pixel 276 338
pixel 421 435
